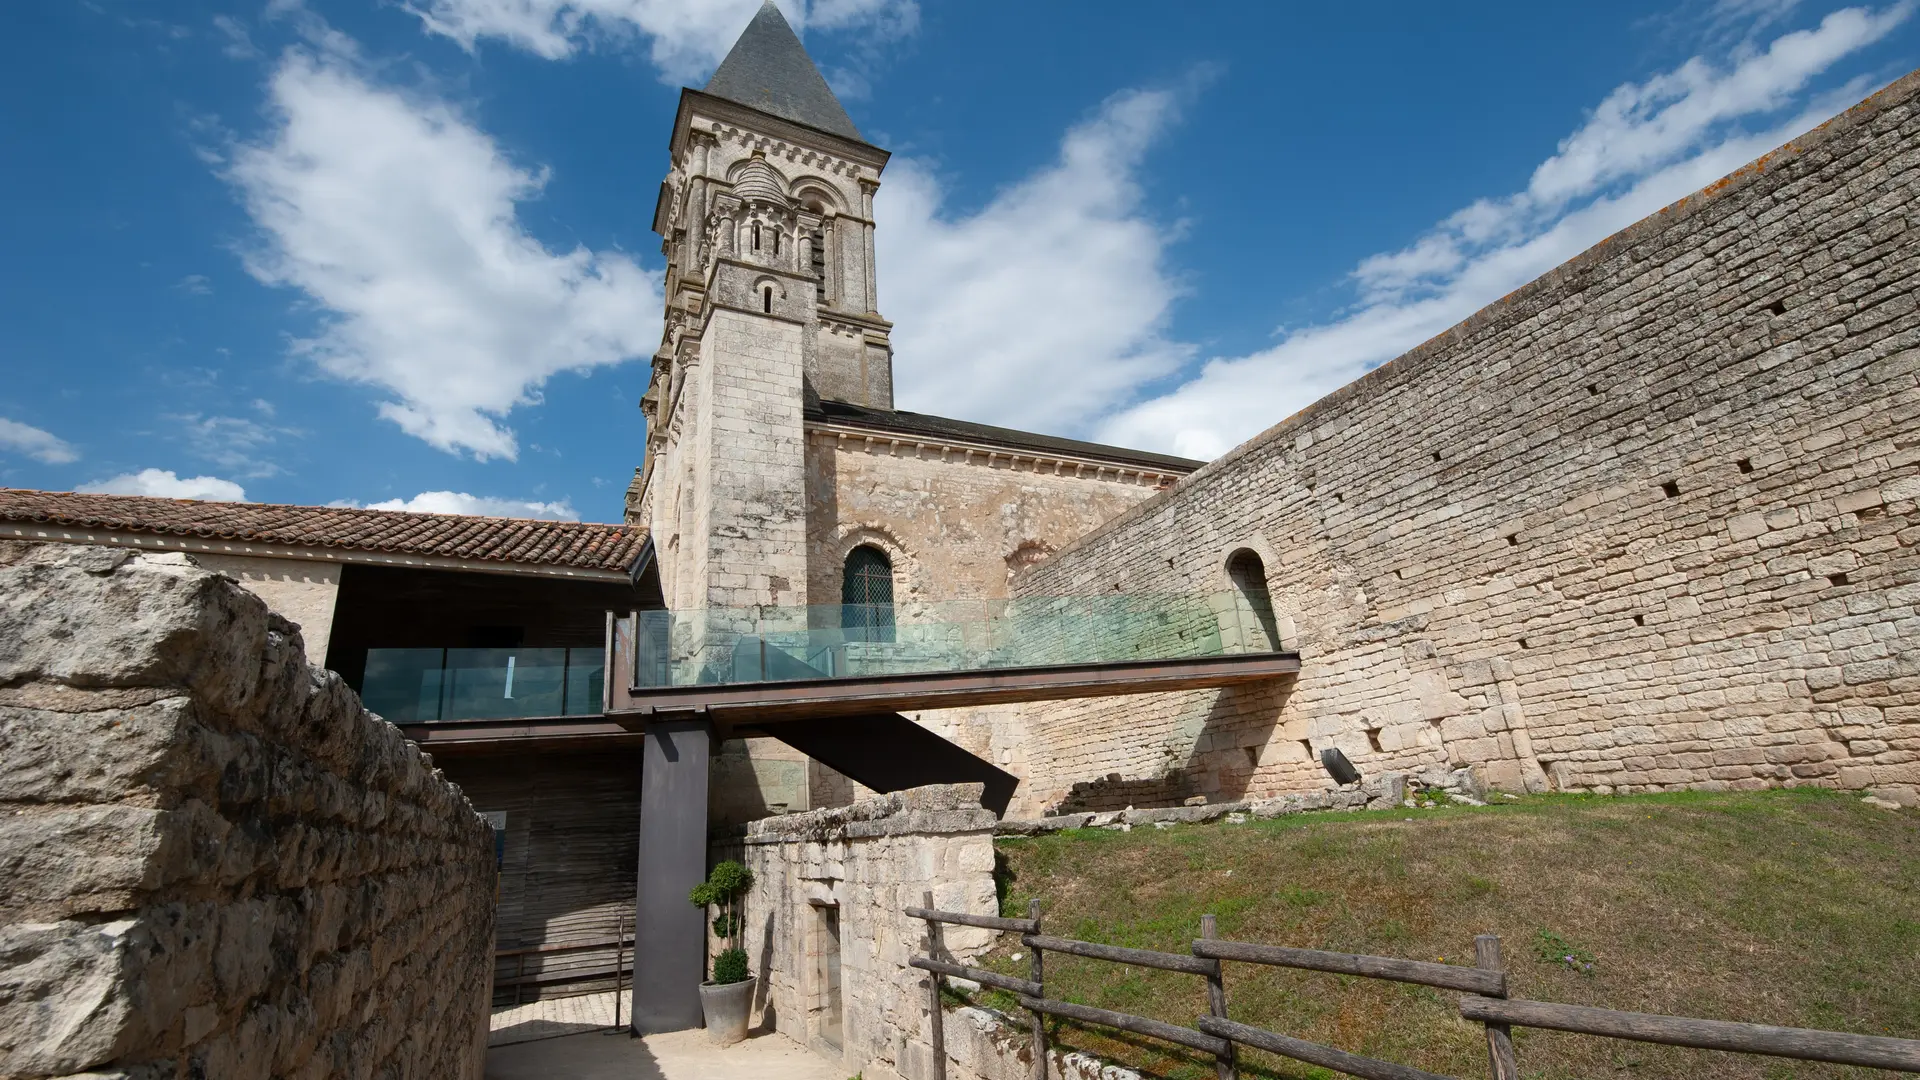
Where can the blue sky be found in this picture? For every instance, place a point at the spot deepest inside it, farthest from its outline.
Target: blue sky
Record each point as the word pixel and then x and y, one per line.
pixel 386 253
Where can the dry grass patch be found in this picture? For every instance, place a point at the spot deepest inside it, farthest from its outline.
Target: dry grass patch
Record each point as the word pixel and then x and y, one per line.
pixel 1797 907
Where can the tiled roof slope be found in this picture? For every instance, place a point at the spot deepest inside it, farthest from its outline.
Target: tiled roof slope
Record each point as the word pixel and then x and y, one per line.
pixel 939 427
pixel 573 544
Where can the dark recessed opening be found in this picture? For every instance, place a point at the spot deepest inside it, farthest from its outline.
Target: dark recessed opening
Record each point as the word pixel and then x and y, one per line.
pixel 1744 464
pixel 1401 574
pixel 1524 644
pixel 1339 496
pixel 1639 620
pixel 1307 749
pixel 1837 579
pixel 1671 488
pixel 1593 389
pixel 1373 739
pixel 1253 756
pixel 1169 564
pixel 1436 455
pixel 1778 307
pixel 1513 540
pixel 1871 512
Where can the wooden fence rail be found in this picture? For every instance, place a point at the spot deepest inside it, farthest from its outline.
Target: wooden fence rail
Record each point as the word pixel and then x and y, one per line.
pixel 1485 983
pixel 1841 1048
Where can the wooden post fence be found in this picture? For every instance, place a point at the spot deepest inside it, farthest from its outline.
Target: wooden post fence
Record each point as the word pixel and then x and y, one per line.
pixel 1035 971
pixel 1485 984
pixel 1486 957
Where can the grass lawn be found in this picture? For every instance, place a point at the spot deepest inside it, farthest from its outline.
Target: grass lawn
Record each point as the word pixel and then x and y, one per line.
pixel 1798 907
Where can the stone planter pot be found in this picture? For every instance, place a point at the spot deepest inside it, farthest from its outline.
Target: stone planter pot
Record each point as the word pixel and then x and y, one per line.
pixel 726 1009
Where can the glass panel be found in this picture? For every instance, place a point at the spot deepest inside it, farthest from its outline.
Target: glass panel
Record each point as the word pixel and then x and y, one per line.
pixel 586 680
pixel 403 685
pixel 492 684
pixel 766 644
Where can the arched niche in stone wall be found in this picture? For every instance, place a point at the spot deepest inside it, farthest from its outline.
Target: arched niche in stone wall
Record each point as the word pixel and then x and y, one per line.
pixel 1254 629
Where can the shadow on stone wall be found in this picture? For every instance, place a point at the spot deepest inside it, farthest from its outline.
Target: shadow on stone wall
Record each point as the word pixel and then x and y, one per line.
pixel 1219 765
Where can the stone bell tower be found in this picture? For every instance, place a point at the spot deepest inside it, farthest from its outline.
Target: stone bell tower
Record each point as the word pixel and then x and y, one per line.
pixel 766 221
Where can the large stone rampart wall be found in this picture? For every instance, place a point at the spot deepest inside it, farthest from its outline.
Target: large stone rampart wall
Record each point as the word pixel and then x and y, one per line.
pixel 1647 523
pixel 213 861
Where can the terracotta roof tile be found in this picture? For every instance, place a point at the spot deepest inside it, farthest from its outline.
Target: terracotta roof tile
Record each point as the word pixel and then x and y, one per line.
pixel 581 545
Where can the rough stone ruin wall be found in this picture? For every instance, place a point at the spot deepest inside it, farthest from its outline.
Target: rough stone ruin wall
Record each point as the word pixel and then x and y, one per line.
pixel 866 862
pixel 1647 523
pixel 213 861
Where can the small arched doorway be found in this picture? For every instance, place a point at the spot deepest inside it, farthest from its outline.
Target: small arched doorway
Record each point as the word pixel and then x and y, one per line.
pixel 1259 631
pixel 866 595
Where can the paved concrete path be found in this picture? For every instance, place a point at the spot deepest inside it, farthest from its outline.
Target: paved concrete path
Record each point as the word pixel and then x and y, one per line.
pixel 681 1055
pixel 554 1016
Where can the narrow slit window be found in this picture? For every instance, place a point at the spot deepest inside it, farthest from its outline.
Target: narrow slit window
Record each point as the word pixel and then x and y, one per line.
pixel 756 238
pixel 766 299
pixel 818 257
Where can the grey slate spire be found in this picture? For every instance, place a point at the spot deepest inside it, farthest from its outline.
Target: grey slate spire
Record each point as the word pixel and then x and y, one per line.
pixel 769 70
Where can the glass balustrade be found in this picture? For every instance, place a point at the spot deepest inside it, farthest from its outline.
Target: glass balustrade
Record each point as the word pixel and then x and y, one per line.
pixel 769 644
pixel 413 686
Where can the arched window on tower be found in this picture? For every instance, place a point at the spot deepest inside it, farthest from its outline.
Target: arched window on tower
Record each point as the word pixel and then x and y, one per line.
pixel 866 595
pixel 1252 604
pixel 766 299
pixel 756 236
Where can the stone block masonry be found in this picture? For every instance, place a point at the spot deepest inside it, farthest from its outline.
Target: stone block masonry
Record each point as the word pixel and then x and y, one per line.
pixel 213 861
pixel 826 932
pixel 1647 523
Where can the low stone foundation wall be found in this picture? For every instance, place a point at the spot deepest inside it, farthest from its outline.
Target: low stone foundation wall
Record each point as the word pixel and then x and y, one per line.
pixel 213 861
pixel 838 879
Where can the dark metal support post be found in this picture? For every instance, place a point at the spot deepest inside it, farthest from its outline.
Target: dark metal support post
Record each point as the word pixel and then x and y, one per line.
pixel 669 933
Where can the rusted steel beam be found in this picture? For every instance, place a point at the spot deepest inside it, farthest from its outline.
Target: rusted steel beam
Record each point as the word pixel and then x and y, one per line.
pixel 453 734
pixel 800 699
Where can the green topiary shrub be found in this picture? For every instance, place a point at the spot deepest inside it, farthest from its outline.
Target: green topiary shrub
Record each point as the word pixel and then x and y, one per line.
pixel 730 966
pixel 724 888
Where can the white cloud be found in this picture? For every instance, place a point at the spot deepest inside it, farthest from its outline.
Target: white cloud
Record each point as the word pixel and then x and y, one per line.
pixel 459 502
pixel 232 442
pixel 1647 145
pixel 195 285
pixel 41 446
pixel 239 44
pixel 398 218
pixel 164 484
pixel 685 38
pixel 1049 304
